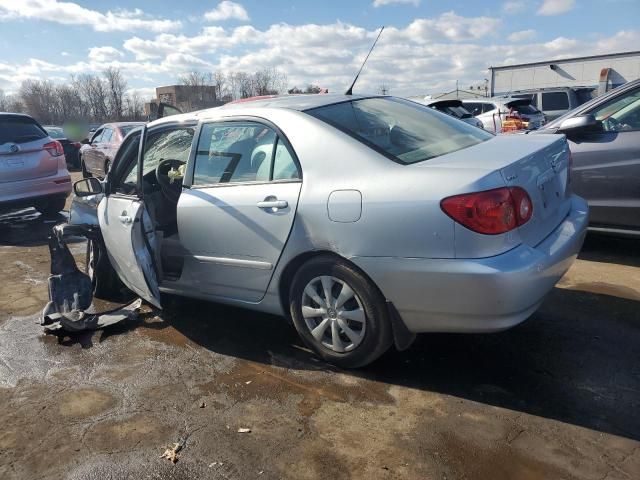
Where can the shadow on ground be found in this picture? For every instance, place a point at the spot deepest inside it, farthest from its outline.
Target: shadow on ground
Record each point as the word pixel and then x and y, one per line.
pixel 27 228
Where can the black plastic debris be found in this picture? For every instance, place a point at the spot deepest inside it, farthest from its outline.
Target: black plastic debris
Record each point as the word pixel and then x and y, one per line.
pixel 71 291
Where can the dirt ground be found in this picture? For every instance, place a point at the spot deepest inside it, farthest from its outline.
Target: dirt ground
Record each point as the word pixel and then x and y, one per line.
pixel 557 397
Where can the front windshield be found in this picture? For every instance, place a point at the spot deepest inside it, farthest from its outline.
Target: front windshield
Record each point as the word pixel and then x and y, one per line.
pixel 404 131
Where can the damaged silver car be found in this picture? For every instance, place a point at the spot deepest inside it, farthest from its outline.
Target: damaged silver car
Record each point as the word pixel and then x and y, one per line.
pixel 365 220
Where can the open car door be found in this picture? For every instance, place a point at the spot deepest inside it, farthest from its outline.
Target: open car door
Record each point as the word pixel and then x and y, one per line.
pixel 129 237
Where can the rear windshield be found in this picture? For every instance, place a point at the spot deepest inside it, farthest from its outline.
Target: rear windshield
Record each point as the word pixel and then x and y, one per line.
pixel 404 131
pixel 127 128
pixel 18 129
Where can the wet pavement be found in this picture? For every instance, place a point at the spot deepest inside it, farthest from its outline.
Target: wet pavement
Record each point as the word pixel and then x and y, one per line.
pixel 557 397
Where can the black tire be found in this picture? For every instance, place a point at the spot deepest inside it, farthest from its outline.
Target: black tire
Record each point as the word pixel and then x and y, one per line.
pixel 105 280
pixel 52 207
pixel 378 335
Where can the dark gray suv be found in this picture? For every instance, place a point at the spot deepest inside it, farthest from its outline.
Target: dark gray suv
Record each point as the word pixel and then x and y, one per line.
pixel 604 138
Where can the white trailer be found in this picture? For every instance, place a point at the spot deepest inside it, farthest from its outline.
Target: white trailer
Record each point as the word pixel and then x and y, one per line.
pixel 603 72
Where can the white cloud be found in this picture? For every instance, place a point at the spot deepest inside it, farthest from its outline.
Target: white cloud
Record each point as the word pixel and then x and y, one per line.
pixel 381 3
pixel 227 10
pixel 555 7
pixel 104 54
pixel 426 55
pixel 522 35
pixel 514 6
pixel 70 13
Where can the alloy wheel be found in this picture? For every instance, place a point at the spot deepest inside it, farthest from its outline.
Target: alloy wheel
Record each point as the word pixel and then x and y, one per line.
pixel 333 313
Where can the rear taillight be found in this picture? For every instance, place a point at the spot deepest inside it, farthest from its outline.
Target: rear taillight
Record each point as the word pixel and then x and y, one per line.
pixel 490 212
pixel 77 145
pixel 54 148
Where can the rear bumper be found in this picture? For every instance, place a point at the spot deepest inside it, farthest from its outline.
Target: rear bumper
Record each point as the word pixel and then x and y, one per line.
pixel 27 192
pixel 478 295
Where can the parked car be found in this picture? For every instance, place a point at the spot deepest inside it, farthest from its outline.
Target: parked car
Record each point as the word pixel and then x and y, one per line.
pixel 33 170
pixel 495 112
pixel 71 149
pixel 556 101
pixel 455 108
pixel 367 219
pixel 97 155
pixel 604 137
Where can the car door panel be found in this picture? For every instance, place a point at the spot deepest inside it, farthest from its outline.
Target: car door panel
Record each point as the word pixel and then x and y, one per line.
pixel 234 238
pixel 606 172
pixel 128 237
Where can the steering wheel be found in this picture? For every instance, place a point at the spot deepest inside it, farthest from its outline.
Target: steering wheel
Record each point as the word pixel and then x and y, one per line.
pixel 170 186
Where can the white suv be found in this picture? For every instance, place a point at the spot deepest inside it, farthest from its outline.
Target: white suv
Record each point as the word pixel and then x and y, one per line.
pixel 33 170
pixel 492 112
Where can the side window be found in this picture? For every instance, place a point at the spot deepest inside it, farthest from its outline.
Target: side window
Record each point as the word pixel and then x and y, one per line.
pixel 240 152
pixel 488 107
pixel 555 101
pixel 107 135
pixel 474 108
pixel 170 144
pixel 284 166
pixel 97 138
pixel 620 114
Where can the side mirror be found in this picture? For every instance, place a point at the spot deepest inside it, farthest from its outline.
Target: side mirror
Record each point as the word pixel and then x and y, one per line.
pixel 87 187
pixel 85 141
pixel 581 123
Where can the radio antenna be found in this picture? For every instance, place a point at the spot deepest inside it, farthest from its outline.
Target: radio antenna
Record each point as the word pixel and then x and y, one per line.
pixel 350 91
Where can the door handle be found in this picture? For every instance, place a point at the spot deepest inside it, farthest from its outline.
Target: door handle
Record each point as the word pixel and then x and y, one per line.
pixel 125 219
pixel 273 203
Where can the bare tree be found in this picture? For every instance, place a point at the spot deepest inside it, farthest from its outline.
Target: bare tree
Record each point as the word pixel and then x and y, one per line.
pixel 196 79
pixel 116 86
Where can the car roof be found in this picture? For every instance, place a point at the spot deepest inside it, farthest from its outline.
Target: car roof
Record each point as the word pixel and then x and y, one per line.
pixel 16 114
pixel 295 102
pixel 121 124
pixel 287 102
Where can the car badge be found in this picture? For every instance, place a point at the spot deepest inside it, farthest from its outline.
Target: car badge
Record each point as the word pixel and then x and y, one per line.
pixel 14 148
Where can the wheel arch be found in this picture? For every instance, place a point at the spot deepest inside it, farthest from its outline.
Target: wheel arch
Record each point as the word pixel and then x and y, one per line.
pixel 402 337
pixel 289 271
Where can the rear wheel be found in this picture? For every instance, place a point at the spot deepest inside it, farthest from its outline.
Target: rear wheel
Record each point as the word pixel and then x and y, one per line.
pixel 339 313
pixel 52 207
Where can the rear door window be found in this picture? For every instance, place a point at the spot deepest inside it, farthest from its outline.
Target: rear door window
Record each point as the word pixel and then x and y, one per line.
pixel 555 101
pixel 107 135
pixel 19 129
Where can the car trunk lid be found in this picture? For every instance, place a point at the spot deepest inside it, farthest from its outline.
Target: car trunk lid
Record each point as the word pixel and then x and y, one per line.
pixel 540 167
pixel 544 174
pixel 26 161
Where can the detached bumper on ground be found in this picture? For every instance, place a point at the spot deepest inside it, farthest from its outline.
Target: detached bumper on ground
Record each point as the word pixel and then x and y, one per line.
pixel 479 295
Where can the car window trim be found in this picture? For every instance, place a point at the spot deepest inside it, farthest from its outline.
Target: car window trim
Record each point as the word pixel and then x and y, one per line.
pixel 189 174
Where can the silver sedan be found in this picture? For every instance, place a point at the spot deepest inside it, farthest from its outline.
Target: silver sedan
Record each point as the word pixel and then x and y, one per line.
pixel 365 220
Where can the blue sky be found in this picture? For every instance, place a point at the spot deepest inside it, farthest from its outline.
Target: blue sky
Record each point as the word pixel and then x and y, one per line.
pixel 427 46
